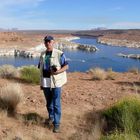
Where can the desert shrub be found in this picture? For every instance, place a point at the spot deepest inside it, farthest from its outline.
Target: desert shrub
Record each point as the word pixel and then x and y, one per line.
pixel 101 74
pixel 8 71
pixel 10 97
pixel 120 136
pixel 124 116
pixel 30 74
pixel 110 75
pixel 98 74
pixel 134 70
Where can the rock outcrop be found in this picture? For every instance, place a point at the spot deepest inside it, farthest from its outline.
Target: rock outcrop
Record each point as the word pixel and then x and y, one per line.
pixel 134 56
pixel 119 42
pixel 67 44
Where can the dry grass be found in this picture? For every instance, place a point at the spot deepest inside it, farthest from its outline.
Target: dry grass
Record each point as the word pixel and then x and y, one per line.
pixel 10 97
pixel 134 70
pixel 42 135
pixel 96 128
pixel 35 134
pixel 110 75
pixel 101 74
pixel 92 128
pixel 8 71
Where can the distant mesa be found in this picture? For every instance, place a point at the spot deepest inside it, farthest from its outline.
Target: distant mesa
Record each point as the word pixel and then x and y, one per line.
pixel 99 28
pixel 7 36
pixel 9 29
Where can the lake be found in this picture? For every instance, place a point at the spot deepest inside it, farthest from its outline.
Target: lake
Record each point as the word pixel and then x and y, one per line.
pixel 82 61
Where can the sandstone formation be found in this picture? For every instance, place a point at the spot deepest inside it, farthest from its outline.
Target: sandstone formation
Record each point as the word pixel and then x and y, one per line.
pixel 134 56
pixel 119 42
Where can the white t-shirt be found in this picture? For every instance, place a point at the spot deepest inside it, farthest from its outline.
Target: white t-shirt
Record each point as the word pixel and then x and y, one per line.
pixel 46 82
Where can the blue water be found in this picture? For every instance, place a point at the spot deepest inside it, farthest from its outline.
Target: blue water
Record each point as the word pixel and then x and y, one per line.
pixel 105 58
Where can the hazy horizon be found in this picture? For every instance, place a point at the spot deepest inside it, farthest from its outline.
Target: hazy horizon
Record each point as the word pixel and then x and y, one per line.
pixel 94 29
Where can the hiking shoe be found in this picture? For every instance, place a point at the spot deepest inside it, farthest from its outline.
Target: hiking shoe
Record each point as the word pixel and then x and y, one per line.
pixel 56 129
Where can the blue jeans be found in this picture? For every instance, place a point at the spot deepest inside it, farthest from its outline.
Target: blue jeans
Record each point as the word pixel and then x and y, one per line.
pixel 53 100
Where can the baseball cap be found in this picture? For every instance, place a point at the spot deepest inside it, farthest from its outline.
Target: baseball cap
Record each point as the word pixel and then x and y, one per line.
pixel 48 38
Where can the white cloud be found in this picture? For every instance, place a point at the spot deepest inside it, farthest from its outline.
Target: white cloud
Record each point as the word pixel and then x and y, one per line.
pixel 125 25
pixel 12 14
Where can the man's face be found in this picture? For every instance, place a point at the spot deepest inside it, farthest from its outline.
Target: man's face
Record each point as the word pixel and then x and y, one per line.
pixel 49 44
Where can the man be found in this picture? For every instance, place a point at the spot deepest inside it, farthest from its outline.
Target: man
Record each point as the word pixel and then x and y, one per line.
pixel 53 66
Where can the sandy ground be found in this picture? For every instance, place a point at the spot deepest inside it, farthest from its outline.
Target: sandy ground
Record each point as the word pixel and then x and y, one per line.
pixel 81 97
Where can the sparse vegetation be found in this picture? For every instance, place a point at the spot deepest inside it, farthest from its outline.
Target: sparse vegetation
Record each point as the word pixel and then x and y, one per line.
pixel 134 70
pixel 8 71
pixel 33 118
pixel 123 117
pixel 120 136
pixel 30 74
pixel 10 97
pixel 101 74
pixel 122 120
pixel 98 74
pixel 110 75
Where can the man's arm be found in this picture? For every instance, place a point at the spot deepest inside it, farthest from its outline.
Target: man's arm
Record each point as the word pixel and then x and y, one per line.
pixel 64 68
pixel 64 65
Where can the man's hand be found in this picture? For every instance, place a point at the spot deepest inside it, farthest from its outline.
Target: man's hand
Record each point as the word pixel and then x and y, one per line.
pixel 64 68
pixel 55 72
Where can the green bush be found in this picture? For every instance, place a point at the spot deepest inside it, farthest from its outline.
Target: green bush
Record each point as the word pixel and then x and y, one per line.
pixel 30 74
pixel 120 136
pixel 124 116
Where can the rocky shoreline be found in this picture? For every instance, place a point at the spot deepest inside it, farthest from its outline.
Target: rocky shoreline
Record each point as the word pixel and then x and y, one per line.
pixel 133 56
pixel 119 42
pixel 61 43
pixel 65 43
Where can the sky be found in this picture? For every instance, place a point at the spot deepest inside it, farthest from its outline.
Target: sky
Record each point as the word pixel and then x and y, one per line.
pixel 69 14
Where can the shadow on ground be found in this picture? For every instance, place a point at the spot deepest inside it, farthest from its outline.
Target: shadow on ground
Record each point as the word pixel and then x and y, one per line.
pixel 20 80
pixel 135 86
pixel 128 83
pixel 31 119
pixel 90 128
